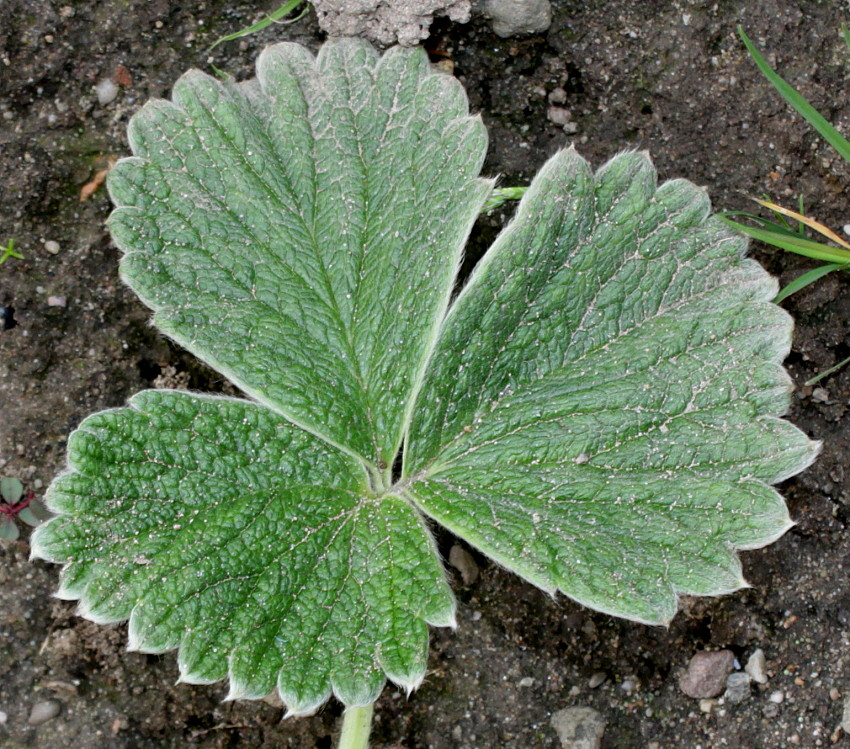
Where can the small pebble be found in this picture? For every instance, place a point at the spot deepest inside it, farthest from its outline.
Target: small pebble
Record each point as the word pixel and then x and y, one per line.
pixel 737 688
pixel 52 246
pixel 706 706
pixel 106 91
pixel 777 697
pixel 43 711
pixel 834 694
pixel 820 395
pixel 512 17
pixel 579 727
pixel 3 718
pixel 557 96
pixel 476 616
pixel 57 301
pixel 598 679
pixel 462 561
pixel 628 685
pixel 771 710
pixel 706 674
pixel 526 682
pixel 558 115
pixel 845 718
pixel 757 667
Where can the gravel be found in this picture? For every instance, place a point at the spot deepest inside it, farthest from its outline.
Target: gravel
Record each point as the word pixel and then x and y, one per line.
pixel 706 674
pixel 737 688
pixel 579 727
pixel 513 17
pixel 404 21
pixel 757 667
pixel 43 711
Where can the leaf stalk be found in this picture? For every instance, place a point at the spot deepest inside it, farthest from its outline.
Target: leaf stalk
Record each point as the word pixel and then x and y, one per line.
pixel 356 727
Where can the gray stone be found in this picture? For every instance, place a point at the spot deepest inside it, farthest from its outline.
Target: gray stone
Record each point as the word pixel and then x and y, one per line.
pixel 386 22
pixel 558 115
pixel 43 711
pixel 845 717
pixel 106 91
pixel 579 727
pixel 512 17
pixel 737 688
pixel 597 679
pixel 557 96
pixel 706 674
pixel 757 667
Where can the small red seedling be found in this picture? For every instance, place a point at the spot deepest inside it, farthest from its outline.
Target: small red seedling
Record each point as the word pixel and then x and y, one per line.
pixel 15 504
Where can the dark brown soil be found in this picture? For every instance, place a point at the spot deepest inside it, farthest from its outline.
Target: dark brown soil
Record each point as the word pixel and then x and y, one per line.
pixel 671 77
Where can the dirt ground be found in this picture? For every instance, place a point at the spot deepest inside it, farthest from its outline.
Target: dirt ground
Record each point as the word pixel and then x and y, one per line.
pixel 667 75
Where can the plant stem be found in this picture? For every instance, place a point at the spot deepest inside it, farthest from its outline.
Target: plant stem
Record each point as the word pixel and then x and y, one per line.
pixel 356 725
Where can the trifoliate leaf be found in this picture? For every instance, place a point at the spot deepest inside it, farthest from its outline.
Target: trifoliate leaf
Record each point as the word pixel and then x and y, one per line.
pixel 598 410
pixel 218 528
pixel 301 232
pixel 600 413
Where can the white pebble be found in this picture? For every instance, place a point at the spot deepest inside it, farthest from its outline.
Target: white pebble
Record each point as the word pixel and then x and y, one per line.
pixel 845 718
pixel 3 718
pixel 57 301
pixel 820 395
pixel 106 91
pixel 526 682
pixel 43 711
pixel 558 115
pixel 597 679
pixel 777 697
pixel 756 667
pixel 52 246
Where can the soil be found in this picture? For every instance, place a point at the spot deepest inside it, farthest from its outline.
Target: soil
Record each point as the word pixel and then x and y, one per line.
pixel 668 76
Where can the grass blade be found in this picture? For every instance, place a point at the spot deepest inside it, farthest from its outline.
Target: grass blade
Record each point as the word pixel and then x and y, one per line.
pixel 807 278
pixel 810 222
pixel 277 15
pixel 835 139
pixel 806 247
pixel 828 372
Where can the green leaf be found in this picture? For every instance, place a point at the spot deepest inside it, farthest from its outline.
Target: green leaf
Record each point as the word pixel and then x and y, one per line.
pixel 8 530
pixel 285 230
pixel 597 410
pixel 258 550
pixel 30 516
pixel 11 489
pixel 600 412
